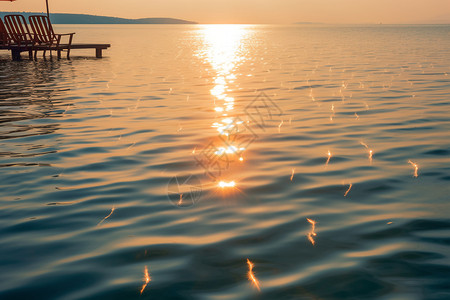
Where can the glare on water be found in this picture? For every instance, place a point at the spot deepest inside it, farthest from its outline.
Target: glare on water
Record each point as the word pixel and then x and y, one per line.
pixel 328 158
pixel 251 275
pixel 227 184
pixel 112 210
pixel 416 168
pixel 312 233
pixel 348 190
pixel 146 279
pixel 223 50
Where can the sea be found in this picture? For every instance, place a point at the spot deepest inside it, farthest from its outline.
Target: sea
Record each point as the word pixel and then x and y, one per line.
pixel 228 162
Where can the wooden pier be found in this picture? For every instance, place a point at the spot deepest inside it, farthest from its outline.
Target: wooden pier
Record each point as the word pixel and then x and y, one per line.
pixel 16 36
pixel 16 50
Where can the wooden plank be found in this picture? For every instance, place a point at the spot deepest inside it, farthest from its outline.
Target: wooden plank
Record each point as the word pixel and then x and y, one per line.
pixel 90 46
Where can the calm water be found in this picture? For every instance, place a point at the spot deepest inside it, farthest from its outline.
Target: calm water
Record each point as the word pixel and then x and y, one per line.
pixel 114 166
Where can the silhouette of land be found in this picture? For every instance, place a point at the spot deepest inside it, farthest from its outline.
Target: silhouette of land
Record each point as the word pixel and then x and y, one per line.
pixel 60 18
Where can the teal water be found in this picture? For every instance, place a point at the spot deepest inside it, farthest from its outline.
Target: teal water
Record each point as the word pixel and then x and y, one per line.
pixel 111 167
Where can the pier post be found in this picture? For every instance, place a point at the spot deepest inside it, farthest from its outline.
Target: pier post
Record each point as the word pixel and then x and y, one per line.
pixel 15 53
pixel 98 52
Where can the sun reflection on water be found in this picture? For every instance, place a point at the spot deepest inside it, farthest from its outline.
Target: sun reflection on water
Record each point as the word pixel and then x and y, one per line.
pixel 224 184
pixel 225 50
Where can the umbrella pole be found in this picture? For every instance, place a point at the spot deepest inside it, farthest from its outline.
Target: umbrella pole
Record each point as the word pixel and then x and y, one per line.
pixel 48 14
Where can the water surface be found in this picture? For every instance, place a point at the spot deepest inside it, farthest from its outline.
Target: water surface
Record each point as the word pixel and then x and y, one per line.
pixel 111 166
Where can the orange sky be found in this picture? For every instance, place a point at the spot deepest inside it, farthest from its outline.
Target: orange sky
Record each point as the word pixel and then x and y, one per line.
pixel 254 11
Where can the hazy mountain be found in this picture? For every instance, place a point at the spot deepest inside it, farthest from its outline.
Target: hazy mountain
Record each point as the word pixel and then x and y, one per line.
pixel 59 18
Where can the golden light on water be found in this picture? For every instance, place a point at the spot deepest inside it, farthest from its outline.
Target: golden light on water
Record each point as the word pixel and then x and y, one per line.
pixel 251 276
pixel 112 210
pixel 228 150
pixel 208 224
pixel 146 279
pixel 279 126
pixel 416 168
pixel 349 188
pixel 222 44
pixel 333 113
pixel 312 233
pixel 227 184
pixel 328 159
pixel 224 49
pixel 369 150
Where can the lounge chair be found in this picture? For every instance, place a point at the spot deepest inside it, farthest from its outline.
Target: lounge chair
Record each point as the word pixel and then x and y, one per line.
pixel 4 36
pixel 46 39
pixel 21 38
pixel 18 38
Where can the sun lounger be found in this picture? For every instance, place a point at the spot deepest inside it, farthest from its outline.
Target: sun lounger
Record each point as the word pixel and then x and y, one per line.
pixel 4 36
pixel 46 39
pixel 19 33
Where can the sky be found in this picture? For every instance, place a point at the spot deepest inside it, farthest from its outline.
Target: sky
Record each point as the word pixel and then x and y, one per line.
pixel 254 11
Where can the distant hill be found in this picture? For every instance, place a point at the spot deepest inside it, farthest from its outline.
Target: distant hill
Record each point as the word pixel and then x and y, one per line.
pixel 59 18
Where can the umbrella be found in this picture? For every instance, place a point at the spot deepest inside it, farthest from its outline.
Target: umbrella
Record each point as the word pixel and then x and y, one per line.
pixel 46 3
